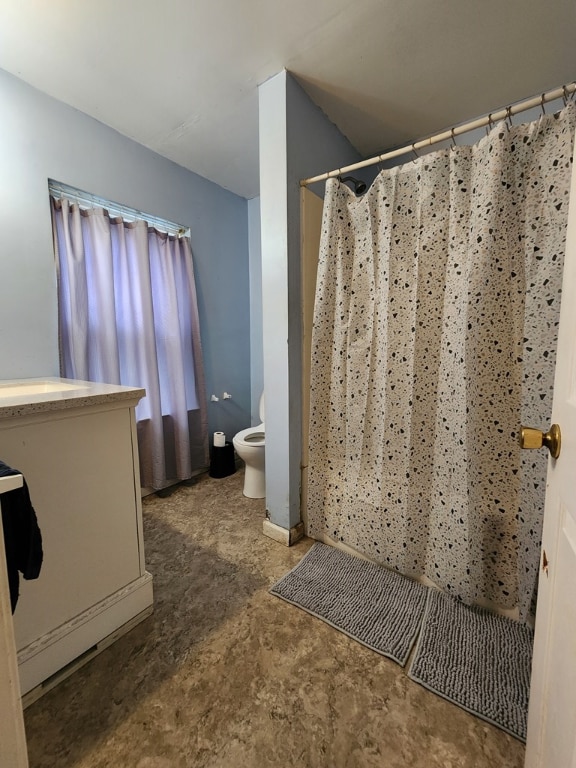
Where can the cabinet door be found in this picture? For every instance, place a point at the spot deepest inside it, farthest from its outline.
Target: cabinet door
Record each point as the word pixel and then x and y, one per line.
pixel 81 478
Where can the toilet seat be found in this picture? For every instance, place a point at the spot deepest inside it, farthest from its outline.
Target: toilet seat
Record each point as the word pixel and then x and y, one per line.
pixel 252 437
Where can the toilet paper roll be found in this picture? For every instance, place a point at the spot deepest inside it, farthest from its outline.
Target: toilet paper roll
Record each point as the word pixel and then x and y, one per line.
pixel 219 439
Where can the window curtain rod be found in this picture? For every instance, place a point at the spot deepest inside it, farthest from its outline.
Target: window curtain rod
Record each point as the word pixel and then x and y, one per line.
pixel 506 113
pixel 86 200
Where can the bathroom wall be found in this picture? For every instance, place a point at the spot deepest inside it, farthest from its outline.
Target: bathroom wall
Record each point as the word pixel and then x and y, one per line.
pixel 41 138
pixel 296 140
pixel 256 358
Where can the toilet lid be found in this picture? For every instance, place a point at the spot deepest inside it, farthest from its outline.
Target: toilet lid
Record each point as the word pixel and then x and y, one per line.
pixel 261 407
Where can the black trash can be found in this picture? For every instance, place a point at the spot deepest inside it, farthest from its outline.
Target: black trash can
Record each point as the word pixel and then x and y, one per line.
pixel 222 461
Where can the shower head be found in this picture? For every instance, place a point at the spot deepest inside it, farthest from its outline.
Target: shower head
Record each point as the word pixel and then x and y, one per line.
pixel 359 185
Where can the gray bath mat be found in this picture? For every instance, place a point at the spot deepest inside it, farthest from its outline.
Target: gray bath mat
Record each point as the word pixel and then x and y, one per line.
pixel 477 660
pixel 380 608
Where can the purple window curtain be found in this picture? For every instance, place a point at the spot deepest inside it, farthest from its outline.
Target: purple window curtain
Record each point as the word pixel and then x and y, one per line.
pixel 128 315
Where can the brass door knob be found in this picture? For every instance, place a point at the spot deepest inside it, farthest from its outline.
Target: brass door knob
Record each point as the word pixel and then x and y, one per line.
pixel 533 438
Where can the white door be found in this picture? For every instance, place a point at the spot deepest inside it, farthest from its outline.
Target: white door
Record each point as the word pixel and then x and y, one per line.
pixel 551 741
pixel 12 739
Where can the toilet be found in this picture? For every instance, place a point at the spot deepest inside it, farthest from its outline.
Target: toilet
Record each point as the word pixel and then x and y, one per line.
pixel 249 445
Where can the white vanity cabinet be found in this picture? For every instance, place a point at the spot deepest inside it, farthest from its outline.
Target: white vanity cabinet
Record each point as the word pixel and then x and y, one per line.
pixel 77 450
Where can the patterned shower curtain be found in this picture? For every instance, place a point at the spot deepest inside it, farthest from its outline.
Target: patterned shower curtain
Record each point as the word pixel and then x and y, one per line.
pixel 434 338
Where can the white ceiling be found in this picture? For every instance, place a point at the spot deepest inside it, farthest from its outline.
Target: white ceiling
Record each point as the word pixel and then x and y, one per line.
pixel 181 76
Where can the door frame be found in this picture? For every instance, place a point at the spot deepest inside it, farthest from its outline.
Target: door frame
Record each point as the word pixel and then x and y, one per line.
pixel 13 750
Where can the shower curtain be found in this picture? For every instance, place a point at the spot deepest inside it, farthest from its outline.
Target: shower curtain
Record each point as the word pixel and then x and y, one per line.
pixel 434 338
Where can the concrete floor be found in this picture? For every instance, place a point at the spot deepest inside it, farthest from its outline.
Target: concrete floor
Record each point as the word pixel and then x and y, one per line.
pixel 225 675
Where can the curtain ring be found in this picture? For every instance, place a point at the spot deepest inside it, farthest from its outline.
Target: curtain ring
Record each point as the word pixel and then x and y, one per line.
pixel 542 104
pixel 565 95
pixel 452 139
pixel 490 124
pixel 416 156
pixel 508 118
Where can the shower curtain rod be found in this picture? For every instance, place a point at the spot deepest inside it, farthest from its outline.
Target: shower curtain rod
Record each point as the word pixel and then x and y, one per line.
pixel 493 117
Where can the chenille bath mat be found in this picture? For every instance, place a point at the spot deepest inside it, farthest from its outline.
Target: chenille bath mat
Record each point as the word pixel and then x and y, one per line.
pixel 476 659
pixel 377 607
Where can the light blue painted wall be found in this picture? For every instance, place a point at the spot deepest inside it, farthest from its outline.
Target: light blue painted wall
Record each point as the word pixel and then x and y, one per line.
pixel 296 141
pixel 42 138
pixel 256 356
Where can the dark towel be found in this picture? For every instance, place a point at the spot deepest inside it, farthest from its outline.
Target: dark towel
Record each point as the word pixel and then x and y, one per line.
pixel 22 537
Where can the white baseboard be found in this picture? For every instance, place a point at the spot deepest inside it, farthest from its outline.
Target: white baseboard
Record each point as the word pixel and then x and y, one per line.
pixel 54 656
pixel 283 535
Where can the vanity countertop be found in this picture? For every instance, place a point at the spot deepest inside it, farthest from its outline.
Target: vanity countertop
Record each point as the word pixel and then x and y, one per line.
pixel 24 397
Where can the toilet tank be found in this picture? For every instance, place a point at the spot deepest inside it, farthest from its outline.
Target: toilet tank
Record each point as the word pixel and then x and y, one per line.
pixel 261 407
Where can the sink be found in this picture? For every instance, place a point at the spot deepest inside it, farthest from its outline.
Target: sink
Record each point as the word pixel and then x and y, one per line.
pixel 23 388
